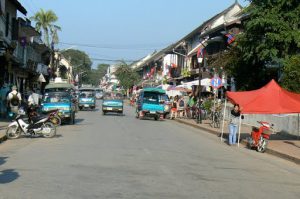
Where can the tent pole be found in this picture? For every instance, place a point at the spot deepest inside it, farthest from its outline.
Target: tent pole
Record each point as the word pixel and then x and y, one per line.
pixel 298 127
pixel 239 130
pixel 224 113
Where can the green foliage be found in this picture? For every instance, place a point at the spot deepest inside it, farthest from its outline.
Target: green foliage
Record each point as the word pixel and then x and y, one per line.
pixel 126 75
pixel 271 33
pixel 79 60
pixel 44 22
pixel 291 74
pixel 186 72
pixel 94 75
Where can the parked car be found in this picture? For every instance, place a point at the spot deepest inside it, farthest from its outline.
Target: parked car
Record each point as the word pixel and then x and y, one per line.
pixel 151 103
pixel 61 101
pixel 112 103
pixel 87 98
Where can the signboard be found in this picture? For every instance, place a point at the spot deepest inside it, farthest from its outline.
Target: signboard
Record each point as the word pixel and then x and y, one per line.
pixel 216 82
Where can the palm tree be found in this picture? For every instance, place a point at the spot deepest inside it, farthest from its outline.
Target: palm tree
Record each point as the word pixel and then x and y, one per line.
pixel 44 22
pixel 54 35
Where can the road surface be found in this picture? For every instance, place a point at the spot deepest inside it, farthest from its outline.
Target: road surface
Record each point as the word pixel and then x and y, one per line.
pixel 114 157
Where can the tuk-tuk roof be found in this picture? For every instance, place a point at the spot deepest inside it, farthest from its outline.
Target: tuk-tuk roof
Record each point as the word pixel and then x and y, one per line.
pixel 59 85
pixel 155 90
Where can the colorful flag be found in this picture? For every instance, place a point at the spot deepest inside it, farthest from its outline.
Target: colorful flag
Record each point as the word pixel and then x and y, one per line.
pixel 230 38
pixel 201 52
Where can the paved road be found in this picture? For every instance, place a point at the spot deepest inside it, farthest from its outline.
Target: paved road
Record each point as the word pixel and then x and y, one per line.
pixel 122 157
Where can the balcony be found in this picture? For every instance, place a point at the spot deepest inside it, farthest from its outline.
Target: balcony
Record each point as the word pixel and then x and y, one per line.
pixel 25 54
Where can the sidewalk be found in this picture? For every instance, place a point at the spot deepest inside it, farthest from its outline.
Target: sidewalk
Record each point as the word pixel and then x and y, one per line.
pixel 283 146
pixel 3 125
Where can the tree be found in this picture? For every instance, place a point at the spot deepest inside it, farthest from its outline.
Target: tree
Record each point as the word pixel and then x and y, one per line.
pixel 81 63
pixel 79 60
pixel 271 35
pixel 126 75
pixel 291 74
pixel 95 75
pixel 44 22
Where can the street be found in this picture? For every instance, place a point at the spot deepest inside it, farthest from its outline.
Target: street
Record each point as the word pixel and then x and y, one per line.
pixel 122 157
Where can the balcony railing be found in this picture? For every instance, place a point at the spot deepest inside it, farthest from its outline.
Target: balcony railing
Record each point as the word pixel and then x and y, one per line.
pixel 23 54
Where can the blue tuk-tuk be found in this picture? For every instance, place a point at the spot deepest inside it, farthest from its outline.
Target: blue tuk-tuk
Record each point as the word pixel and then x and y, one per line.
pixel 87 98
pixel 151 103
pixel 61 101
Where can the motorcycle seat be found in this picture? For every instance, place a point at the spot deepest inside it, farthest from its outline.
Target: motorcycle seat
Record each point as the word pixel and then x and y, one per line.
pixel 38 118
pixel 267 132
pixel 51 111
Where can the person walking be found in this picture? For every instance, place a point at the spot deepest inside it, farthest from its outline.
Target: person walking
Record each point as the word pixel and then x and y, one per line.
pixel 14 100
pixel 181 107
pixel 234 124
pixel 174 108
pixel 33 98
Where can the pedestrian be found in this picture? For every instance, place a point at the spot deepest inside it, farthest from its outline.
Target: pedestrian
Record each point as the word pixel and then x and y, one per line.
pixel 181 107
pixel 174 108
pixel 14 100
pixel 234 124
pixel 33 98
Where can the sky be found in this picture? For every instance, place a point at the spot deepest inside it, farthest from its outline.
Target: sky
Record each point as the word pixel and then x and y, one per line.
pixel 125 29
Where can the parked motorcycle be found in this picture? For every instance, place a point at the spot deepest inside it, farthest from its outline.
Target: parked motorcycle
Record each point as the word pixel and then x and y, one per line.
pixel 53 115
pixel 39 126
pixel 260 137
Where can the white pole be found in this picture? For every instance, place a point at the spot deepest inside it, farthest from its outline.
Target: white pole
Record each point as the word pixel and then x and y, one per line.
pixel 224 113
pixel 239 130
pixel 298 126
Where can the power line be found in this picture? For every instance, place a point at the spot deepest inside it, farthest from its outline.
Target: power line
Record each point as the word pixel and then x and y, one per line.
pixel 105 47
pixel 112 60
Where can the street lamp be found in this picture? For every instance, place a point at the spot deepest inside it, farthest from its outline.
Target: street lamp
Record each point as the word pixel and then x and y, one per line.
pixel 200 60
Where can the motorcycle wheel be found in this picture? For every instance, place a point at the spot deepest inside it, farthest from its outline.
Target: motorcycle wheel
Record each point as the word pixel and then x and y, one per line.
pixel 52 130
pixel 262 146
pixel 13 132
pixel 55 120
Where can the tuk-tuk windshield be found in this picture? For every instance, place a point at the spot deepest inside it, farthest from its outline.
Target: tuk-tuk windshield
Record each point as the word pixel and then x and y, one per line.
pixel 152 97
pixel 57 99
pixel 86 95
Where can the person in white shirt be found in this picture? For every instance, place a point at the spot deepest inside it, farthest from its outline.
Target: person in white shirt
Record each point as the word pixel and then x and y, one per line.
pixel 14 100
pixel 33 99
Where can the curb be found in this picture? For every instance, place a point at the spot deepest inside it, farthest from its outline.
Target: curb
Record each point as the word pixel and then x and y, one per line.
pixel 244 142
pixel 3 138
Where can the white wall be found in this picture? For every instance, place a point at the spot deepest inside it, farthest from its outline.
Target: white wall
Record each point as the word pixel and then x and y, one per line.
pixel 168 60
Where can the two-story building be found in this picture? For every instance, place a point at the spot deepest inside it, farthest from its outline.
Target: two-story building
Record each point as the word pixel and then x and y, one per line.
pixel 181 61
pixel 23 56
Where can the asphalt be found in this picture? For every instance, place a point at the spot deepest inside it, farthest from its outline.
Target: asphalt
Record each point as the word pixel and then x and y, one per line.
pixel 123 157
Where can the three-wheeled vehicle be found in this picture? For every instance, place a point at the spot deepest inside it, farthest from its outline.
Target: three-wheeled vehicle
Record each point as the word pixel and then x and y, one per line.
pixel 112 102
pixel 151 103
pixel 99 93
pixel 61 101
pixel 87 98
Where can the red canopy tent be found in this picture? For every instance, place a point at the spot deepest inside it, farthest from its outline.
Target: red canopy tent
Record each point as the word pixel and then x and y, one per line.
pixel 270 99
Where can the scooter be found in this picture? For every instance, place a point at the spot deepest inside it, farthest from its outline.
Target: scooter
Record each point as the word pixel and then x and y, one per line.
pixel 260 137
pixel 53 115
pixel 39 126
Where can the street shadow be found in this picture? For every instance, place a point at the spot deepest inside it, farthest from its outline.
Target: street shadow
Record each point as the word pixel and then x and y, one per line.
pixel 292 143
pixel 3 160
pixel 78 120
pixel 114 114
pixel 150 119
pixel 8 176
